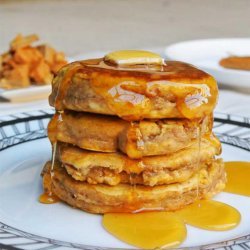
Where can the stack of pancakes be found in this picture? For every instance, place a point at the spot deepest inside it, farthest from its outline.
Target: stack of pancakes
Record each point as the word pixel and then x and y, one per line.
pixel 133 133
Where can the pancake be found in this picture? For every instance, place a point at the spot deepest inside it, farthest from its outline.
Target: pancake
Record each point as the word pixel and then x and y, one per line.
pixel 102 198
pixel 135 92
pixel 115 168
pixel 98 175
pixel 136 139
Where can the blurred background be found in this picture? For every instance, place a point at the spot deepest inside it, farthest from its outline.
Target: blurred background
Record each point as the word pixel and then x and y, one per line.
pixel 81 26
pixel 83 29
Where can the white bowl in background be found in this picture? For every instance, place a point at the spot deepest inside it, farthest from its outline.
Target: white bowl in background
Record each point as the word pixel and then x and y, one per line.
pixel 207 53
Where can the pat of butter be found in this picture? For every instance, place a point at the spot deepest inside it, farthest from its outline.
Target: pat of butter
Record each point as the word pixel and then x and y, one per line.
pixel 131 57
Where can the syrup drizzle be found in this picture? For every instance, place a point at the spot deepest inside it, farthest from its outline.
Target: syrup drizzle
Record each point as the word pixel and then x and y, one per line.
pixel 199 132
pixel 53 159
pixel 129 92
pixel 64 84
pixel 167 229
pixel 48 197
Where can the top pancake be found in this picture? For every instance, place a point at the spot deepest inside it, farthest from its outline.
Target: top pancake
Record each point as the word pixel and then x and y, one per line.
pixel 171 90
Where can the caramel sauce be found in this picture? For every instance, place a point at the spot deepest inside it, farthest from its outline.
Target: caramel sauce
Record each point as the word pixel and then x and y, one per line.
pixel 48 198
pixel 210 215
pixel 238 176
pixel 146 230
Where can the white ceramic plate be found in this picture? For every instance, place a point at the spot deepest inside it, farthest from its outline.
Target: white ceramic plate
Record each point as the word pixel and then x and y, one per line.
pixel 207 53
pixel 28 94
pixel 27 224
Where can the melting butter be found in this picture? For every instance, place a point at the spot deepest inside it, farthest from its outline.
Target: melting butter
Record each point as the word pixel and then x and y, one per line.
pixel 132 57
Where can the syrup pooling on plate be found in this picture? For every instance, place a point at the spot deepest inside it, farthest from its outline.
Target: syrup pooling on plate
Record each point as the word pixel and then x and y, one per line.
pixel 210 215
pixel 48 198
pixel 205 214
pixel 167 229
pixel 146 230
pixel 238 176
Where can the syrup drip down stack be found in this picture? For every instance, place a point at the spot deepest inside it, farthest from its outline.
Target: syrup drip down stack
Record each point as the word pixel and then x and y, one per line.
pixel 133 132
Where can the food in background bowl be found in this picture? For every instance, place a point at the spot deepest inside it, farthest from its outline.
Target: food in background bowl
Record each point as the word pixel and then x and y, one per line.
pixel 236 62
pixel 24 65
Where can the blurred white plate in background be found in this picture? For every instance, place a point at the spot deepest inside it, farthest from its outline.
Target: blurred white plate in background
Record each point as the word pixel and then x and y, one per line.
pixel 84 56
pixel 207 53
pixel 28 94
